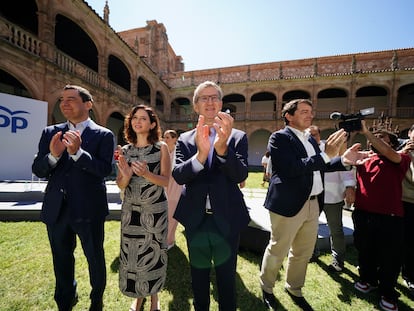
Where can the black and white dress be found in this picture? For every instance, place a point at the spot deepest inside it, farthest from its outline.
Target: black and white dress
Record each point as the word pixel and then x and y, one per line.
pixel 143 256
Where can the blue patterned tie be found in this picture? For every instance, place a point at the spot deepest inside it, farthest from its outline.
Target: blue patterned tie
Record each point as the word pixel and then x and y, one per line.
pixel 210 153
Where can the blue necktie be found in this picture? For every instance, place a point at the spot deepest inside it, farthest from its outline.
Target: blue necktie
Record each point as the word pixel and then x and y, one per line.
pixel 211 137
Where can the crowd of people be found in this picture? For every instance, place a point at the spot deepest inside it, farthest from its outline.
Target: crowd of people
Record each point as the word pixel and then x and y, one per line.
pixel 195 178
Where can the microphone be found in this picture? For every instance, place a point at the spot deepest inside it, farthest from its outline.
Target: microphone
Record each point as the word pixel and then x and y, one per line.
pixel 335 116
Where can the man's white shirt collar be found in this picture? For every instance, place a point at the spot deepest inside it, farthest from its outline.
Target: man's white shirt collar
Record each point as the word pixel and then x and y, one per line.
pixel 302 135
pixel 80 126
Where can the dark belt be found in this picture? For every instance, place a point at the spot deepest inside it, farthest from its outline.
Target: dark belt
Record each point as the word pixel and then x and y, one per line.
pixel 209 211
pixel 312 197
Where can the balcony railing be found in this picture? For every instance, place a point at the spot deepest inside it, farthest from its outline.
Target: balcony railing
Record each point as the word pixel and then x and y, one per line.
pixel 19 37
pixel 405 112
pixel 402 112
pixel 30 43
pixel 183 118
pixel 263 115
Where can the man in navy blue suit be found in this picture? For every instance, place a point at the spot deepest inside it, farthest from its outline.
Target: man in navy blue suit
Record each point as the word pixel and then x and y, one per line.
pixel 292 198
pixel 75 157
pixel 211 160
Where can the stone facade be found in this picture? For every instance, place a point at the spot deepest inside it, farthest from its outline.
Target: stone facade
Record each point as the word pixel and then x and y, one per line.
pixel 139 66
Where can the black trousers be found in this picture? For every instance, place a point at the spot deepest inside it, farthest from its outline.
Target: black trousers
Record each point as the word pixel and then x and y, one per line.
pixel 207 248
pixel 379 240
pixel 408 257
pixel 62 238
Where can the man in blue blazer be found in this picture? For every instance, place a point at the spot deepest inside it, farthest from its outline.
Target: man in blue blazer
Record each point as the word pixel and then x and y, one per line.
pixel 211 161
pixel 292 198
pixel 75 157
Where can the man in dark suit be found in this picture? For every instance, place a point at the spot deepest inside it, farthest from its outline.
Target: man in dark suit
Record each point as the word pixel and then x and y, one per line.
pixel 211 160
pixel 75 156
pixel 292 198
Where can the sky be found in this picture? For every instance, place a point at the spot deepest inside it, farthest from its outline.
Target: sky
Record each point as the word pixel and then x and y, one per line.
pixel 222 33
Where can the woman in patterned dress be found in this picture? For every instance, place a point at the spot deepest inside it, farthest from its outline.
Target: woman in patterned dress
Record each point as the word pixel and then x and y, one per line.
pixel 143 171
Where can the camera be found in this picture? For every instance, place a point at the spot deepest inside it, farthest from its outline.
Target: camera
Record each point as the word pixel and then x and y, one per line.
pixel 351 122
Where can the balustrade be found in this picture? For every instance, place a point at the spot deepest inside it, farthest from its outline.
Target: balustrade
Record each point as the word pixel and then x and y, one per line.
pixel 20 38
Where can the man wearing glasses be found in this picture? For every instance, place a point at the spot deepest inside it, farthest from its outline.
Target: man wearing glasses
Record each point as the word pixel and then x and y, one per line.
pixel 211 160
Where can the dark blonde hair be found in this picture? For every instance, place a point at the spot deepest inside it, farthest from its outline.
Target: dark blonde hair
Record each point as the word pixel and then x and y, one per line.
pixel 154 135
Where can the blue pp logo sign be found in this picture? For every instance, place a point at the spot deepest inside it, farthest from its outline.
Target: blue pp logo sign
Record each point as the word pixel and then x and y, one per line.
pixel 12 119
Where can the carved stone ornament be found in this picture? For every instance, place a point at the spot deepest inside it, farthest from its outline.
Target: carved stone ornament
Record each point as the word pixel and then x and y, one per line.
pixel 5 31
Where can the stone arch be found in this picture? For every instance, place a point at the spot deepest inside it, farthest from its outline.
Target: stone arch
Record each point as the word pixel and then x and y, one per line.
pixel 144 90
pixel 236 103
pixel 295 94
pixel 257 147
pixel 115 123
pixel 26 16
pixel 70 45
pixel 405 101
pixel 330 100
pixel 118 72
pixel 372 96
pixel 159 101
pixel 181 109
pixel 263 106
pixel 9 84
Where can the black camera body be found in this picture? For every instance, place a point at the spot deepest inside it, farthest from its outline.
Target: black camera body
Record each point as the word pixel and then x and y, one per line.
pixel 351 122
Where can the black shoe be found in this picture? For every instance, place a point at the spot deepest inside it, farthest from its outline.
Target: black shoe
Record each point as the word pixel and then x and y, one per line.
pixel 69 307
pixel 96 306
pixel 74 300
pixel 300 301
pixel 315 255
pixel 269 300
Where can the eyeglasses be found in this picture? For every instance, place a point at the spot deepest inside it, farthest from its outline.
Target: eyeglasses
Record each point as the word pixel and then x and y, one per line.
pixel 205 99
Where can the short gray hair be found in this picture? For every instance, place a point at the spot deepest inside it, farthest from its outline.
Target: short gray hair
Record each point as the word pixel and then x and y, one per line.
pixel 204 85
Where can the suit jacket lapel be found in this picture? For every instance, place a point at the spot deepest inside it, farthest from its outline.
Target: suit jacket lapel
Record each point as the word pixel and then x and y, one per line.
pixel 296 142
pixel 88 133
pixel 315 145
pixel 86 136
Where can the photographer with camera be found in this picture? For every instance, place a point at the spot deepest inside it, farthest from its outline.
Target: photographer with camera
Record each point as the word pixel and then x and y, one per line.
pixel 378 216
pixel 351 122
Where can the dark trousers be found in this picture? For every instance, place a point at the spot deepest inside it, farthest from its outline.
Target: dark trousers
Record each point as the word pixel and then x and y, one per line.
pixel 62 238
pixel 378 239
pixel 207 247
pixel 408 257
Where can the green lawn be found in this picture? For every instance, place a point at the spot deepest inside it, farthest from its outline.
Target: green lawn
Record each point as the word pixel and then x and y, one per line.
pixel 27 282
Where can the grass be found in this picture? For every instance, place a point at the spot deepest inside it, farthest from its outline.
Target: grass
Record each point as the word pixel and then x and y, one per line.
pixel 27 281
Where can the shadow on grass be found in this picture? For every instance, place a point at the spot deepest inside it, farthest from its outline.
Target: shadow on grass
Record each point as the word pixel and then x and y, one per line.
pixel 115 265
pixel 347 287
pixel 178 283
pixel 178 280
pixel 247 301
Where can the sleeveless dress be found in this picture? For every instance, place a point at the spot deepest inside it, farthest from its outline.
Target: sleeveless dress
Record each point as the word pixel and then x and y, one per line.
pixel 143 256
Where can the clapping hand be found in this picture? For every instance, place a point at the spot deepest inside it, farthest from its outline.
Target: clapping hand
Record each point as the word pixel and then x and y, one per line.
pixel 202 139
pixel 223 125
pixel 334 143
